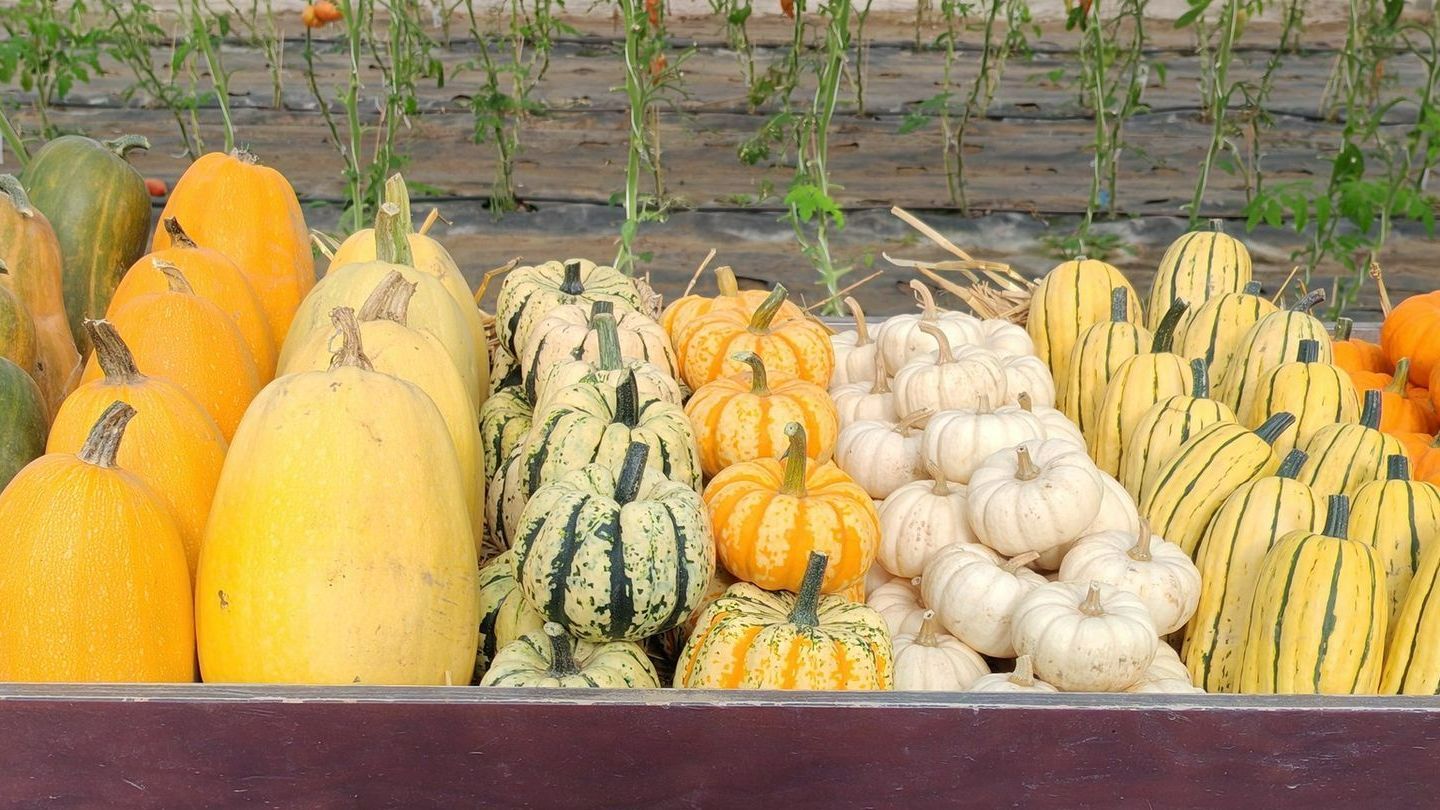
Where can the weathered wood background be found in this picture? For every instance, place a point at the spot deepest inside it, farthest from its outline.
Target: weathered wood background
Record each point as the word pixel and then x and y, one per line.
pixel 1027 162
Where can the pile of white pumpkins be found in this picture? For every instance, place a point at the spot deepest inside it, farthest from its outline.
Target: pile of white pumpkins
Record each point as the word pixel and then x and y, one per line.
pixel 1000 538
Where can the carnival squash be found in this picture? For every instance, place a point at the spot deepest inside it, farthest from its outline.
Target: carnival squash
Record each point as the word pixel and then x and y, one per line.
pixel 1197 267
pixel 1136 386
pixel 796 347
pixel 1318 394
pixel 529 293
pixel 23 420
pixel 551 659
pixel 504 614
pixel 604 364
pixel 1071 297
pixel 571 332
pixel 1345 457
pixel 505 421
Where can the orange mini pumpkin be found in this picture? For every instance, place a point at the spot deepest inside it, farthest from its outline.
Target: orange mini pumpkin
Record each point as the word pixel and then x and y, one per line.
pixel 798 347
pixel 1412 330
pixel 1416 446
pixel 743 417
pixel 1354 354
pixel 1427 466
pixel 686 309
pixel 191 342
pixel 1404 408
pixel 769 515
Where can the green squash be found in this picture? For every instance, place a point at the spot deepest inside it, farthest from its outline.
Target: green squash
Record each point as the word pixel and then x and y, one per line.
pixel 100 210
pixel 504 613
pixel 23 424
pixel 17 329
pixel 504 422
pixel 549 658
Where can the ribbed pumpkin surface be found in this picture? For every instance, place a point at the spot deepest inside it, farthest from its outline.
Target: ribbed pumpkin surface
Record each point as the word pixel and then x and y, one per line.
pixel 23 420
pixel 1214 330
pixel 1197 267
pixel 504 613
pixel 1071 297
pixel 1400 519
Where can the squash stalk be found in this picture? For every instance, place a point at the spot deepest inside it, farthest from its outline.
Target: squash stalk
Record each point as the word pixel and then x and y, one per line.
pixel 759 383
pixel 911 421
pixel 1025 469
pixel 1337 517
pixel 1274 426
pixel 942 486
pixel 1092 606
pixel 1309 301
pixel 1165 332
pixel 1019 561
pixel 926 637
pixel 627 401
pixel 1290 466
pixel 632 472
pixel 807 601
pixel 725 281
pixel 570 283
pixel 125 144
pixel 397 304
pixel 929 313
pixel 944 355
pixel 862 330
pixel 351 353
pixel 562 658
pixel 1251 288
pixel 103 443
pixel 768 309
pixel 793 484
pixel 173 277
pixel 881 385
pixel 111 352
pixel 1402 373
pixel 1370 414
pixel 1025 402
pixel 178 236
pixel 1140 552
pixel 1024 673
pixel 397 192
pixel 1309 352
pixel 1199 379
pixel 375 302
pixel 1343 327
pixel 1119 305
pixel 1397 468
pixel 392 241
pixel 10 187
pixel 607 339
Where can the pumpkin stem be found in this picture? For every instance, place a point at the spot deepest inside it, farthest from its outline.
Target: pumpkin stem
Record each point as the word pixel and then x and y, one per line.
pixel 1019 561
pixel 1379 276
pixel 1252 288
pixel 793 483
pixel 862 330
pixel 1402 374
pixel 1218 226
pixel 244 156
pixel 1199 379
pixel 607 339
pixel 1165 332
pixel 725 280
pixel 1343 327
pixel 11 188
pixel 1293 461
pixel 627 401
pixel 375 302
pixel 759 384
pixel 944 356
pixel 1309 352
pixel 1140 552
pixel 125 144
pixel 632 472
pixel 768 309
pixel 942 486
pixel 111 352
pixel 1370 414
pixel 1397 468
pixel 601 308
pixel 1337 517
pixel 1026 471
pixel 926 637
pixel 1274 426
pixel 570 282
pixel 103 443
pixel 928 311
pixel 1119 305
pixel 392 237
pixel 807 602
pixel 1309 300
pixel 881 385
pixel 176 279
pixel 907 425
pixel 397 192
pixel 1024 674
pixel 562 657
pixel 351 353
pixel 178 236
pixel 1092 606
pixel 397 304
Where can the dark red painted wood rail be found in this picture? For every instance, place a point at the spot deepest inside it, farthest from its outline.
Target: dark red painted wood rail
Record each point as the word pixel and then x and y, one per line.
pixel 196 746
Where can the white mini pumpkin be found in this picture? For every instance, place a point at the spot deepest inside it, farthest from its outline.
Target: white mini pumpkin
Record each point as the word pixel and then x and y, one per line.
pixel 974 592
pixel 930 661
pixel 898 603
pixel 1166 686
pixel 957 441
pixel 1117 513
pixel 918 519
pixel 1034 497
pixel 881 456
pixel 1057 425
pixel 1028 374
pixel 876 576
pixel 855 351
pixel 858 401
pixel 1085 637
pixel 1166 665
pixel 901 339
pixel 1007 340
pixel 1145 564
pixel 1022 679
pixel 948 378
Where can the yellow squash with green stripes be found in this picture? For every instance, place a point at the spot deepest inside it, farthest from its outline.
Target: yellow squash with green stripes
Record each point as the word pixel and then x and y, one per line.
pixel 1273 340
pixel 1251 520
pixel 1344 458
pixel 1400 519
pixel 1139 383
pixel 1213 330
pixel 1317 624
pixel 1412 658
pixel 1069 298
pixel 1197 267
pixel 1100 350
pixel 1165 427
pixel 1196 480
pixel 1319 394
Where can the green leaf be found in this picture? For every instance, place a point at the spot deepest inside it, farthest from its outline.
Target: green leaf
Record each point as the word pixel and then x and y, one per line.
pixel 1349 165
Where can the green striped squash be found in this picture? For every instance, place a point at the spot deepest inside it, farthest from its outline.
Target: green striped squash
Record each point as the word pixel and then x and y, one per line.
pixel 497 523
pixel 504 370
pixel 1412 658
pixel 1098 353
pixel 504 422
pixel 1166 426
pixel 1197 267
pixel 1073 296
pixel 1319 394
pixel 504 613
pixel 1138 384
pixel 100 210
pixel 1317 623
pixel 615 556
pixel 1344 458
pixel 1213 331
pixel 1400 519
pixel 572 332
pixel 1250 521
pixel 530 293
pixel 547 658
pixel 601 360
pixel 1273 340
pixel 24 423
pixel 1192 485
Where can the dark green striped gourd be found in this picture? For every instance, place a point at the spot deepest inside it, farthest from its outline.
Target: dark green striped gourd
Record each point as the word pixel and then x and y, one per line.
pixel 1071 297
pixel 1165 427
pixel 504 613
pixel 24 423
pixel 1271 341
pixel 548 658
pixel 1198 266
pixel 1139 383
pixel 606 366
pixel 504 422
pixel 504 370
pixel 1317 623
pixel 1213 330
pixel 1319 394
pixel 1344 458
pixel 1400 519
pixel 1248 524
pixel 613 555
pixel 1099 352
pixel 529 293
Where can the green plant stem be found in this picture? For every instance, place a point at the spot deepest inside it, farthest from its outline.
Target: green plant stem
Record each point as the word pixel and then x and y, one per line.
pixel 12 138
pixel 1219 102
pixel 632 14
pixel 200 29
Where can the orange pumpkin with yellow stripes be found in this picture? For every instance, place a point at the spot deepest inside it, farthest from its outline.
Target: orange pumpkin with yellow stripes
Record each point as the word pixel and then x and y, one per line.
pixel 799 347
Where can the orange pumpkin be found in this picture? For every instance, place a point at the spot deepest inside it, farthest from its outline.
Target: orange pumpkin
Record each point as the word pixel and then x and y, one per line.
pixel 742 418
pixel 1412 330
pixel 172 444
pixel 686 309
pixel 796 347
pixel 214 278
pixel 191 342
pixel 1354 354
pixel 1404 408
pixel 248 212
pixel 1416 446
pixel 1427 466
pixel 769 515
